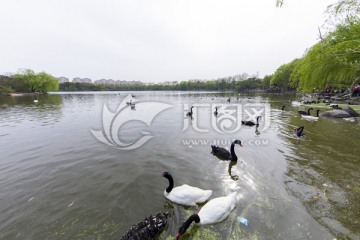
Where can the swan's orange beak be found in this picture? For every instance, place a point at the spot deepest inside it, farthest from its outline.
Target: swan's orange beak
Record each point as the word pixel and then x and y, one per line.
pixel 178 235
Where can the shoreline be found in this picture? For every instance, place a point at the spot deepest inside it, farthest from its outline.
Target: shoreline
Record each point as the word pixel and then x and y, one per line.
pixel 19 94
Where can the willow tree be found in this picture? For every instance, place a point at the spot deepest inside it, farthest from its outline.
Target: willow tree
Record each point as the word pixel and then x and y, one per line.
pixel 29 81
pixel 334 60
pixel 281 77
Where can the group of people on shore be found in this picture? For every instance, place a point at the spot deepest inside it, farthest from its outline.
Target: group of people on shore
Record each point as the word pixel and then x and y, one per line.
pixel 330 91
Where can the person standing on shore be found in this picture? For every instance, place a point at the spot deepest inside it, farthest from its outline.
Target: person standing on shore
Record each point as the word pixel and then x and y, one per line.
pixel 356 91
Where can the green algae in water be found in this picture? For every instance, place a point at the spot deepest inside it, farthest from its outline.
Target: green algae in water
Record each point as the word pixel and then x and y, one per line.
pixel 68 230
pixel 200 232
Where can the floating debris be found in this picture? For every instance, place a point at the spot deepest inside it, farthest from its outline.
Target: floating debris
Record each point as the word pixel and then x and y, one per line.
pixel 71 204
pixel 243 220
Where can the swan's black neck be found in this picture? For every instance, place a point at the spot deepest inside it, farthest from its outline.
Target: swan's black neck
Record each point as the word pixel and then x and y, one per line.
pixel 317 113
pixel 283 107
pixel 171 183
pixel 232 151
pixel 299 131
pixel 187 223
pixel 191 110
pixel 309 111
pixel 257 120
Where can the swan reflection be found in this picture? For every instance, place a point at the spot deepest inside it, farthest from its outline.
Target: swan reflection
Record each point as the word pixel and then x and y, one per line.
pixel 233 177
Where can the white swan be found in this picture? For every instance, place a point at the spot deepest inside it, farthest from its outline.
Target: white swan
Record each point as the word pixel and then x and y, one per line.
pixel 296 103
pixel 216 210
pixel 309 117
pixel 185 194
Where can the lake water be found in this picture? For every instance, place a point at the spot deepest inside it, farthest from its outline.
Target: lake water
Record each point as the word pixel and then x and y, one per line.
pixel 57 181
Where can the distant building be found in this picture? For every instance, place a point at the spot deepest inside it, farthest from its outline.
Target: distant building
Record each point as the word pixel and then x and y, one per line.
pixel 169 83
pixel 62 79
pixel 104 81
pixel 82 80
pixel 117 82
pixel 86 80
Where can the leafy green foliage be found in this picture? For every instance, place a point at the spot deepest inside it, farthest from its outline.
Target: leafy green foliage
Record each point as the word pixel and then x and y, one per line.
pixel 265 82
pixel 279 3
pixel 29 81
pixel 281 78
pixel 249 84
pixel 334 60
pixel 343 12
pixel 5 86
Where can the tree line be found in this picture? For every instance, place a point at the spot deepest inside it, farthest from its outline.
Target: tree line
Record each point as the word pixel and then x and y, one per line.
pixel 222 84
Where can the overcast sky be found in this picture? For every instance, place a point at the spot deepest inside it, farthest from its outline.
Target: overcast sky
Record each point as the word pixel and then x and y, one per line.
pixel 156 40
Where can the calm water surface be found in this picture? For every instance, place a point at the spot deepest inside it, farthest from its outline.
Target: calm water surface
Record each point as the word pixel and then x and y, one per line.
pixel 57 181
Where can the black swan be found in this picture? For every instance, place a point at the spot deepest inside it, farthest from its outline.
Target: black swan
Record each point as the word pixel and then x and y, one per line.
pixel 215 211
pixel 130 103
pixel 305 113
pixel 185 194
pixel 299 131
pixel 257 132
pixel 251 123
pixel 224 154
pixel 189 114
pixel 216 112
pixel 147 229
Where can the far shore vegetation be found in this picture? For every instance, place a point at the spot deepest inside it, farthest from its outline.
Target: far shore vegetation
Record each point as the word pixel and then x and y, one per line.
pixel 332 62
pixel 27 81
